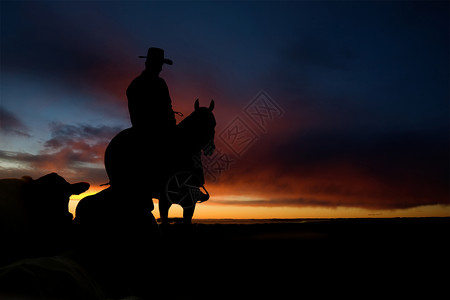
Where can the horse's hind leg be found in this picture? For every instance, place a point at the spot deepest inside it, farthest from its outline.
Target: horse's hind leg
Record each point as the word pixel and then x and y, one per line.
pixel 164 205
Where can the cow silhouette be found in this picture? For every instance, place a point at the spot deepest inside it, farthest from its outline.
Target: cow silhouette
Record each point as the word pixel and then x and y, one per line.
pixel 34 214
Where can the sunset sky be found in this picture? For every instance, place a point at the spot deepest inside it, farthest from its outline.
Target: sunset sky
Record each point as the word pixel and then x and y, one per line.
pixel 323 108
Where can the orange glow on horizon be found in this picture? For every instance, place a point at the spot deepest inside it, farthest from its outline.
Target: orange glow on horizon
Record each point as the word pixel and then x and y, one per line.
pixel 217 208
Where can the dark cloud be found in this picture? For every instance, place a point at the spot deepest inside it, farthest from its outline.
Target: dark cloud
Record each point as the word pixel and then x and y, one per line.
pixel 388 171
pixel 66 52
pixel 11 124
pixel 285 202
pixel 30 165
pixel 377 65
pixel 63 135
pixel 318 52
pixel 16 156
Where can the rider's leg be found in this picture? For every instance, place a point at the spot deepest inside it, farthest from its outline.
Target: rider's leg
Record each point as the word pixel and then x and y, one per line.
pixel 164 205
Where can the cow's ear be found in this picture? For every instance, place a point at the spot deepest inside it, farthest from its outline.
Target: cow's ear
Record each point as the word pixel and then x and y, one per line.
pixel 27 178
pixel 196 105
pixel 211 105
pixel 78 188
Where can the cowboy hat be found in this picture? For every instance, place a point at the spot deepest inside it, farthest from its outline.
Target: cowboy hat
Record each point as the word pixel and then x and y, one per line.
pixel 157 54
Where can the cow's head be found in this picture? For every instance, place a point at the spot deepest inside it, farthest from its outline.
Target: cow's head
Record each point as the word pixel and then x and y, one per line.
pixel 52 192
pixel 54 184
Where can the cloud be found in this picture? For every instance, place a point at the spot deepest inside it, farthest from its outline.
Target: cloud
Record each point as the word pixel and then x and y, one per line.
pixel 75 151
pixel 74 144
pixel 66 51
pixel 26 164
pixel 11 124
pixel 63 135
pixel 314 52
pixel 386 171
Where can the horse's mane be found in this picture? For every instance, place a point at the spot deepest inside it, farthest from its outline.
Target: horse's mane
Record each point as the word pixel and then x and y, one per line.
pixel 199 117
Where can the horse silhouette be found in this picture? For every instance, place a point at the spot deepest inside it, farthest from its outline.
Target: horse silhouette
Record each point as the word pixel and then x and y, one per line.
pixel 146 164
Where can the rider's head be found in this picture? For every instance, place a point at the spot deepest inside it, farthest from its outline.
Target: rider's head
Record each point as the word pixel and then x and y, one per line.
pixel 155 60
pixel 153 67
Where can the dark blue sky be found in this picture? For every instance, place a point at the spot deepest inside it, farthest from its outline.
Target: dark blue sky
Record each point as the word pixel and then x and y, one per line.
pixel 364 86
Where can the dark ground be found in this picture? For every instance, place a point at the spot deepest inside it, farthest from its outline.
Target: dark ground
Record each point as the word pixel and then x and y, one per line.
pixel 273 259
pixel 352 258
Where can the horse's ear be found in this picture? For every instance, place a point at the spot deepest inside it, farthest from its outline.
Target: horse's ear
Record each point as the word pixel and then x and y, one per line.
pixel 196 105
pixel 211 105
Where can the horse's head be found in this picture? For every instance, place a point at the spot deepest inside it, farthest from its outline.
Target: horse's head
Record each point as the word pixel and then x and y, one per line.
pixel 207 123
pixel 202 125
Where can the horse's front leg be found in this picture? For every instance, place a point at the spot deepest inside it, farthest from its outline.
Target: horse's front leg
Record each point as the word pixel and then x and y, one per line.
pixel 188 213
pixel 164 206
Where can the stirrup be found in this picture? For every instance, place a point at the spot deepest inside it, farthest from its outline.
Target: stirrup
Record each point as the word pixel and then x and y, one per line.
pixel 185 188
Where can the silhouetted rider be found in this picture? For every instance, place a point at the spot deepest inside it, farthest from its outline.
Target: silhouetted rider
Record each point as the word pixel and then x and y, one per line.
pixel 153 120
pixel 149 102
